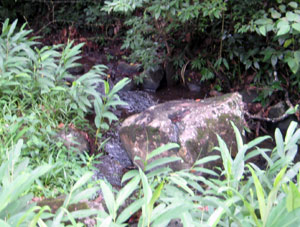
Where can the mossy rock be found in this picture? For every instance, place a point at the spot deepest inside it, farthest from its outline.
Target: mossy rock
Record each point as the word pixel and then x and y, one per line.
pixel 193 125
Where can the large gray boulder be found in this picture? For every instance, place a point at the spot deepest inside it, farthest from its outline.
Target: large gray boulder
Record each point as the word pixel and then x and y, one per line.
pixel 192 124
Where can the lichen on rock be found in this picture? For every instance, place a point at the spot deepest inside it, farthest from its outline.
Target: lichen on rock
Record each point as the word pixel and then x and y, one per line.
pixel 193 125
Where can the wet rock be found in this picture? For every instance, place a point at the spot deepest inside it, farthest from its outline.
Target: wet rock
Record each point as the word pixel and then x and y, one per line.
pixel 115 150
pixel 170 74
pixel 137 101
pixel 191 124
pixel 279 110
pixel 78 70
pixel 194 87
pixel 249 95
pixel 153 78
pixel 111 170
pixel 74 139
pixel 124 68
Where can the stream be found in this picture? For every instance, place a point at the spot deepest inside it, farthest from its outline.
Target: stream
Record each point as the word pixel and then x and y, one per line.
pixel 115 161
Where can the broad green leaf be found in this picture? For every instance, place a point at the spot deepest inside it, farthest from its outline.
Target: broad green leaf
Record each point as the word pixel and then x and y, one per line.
pixel 182 183
pixel 110 116
pixel 119 86
pixel 293 197
pixel 293 64
pixel 12 28
pixel 288 42
pixel 126 191
pixel 84 195
pixel 83 180
pixel 107 222
pixel 108 198
pixel 225 63
pixel 37 217
pixel 282 8
pixel 283 27
pixel 168 215
pixel 158 172
pixel 79 214
pixel 161 161
pixel 260 194
pixel 206 160
pixel 155 196
pixel 293 5
pixel 292 17
pixel 252 213
pixel 257 141
pixel 238 164
pixel 130 174
pixel 238 136
pixel 296 26
pixel 263 30
pixel 146 187
pixel 215 217
pixel 279 143
pixel 291 129
pixel 275 14
pixel 162 149
pixel 279 177
pixel 130 210
pixel 280 217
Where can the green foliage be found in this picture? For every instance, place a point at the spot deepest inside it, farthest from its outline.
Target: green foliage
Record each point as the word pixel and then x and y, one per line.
pixel 242 194
pixel 16 179
pixel 239 193
pixel 109 99
pixel 161 28
pixel 233 38
pixel 37 96
pixel 17 207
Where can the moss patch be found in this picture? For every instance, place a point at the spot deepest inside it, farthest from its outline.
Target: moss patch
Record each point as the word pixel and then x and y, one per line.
pixel 207 139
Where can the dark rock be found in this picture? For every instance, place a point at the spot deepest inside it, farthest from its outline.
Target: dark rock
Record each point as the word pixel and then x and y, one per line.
pixel 124 68
pixel 153 78
pixel 170 74
pixel 78 70
pixel 249 95
pixel 191 124
pixel 277 110
pixel 111 170
pixel 194 87
pixel 137 101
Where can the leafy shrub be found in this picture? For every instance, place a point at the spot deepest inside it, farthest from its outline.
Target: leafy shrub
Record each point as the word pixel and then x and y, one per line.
pixel 239 193
pixel 16 178
pixel 37 96
pixel 17 207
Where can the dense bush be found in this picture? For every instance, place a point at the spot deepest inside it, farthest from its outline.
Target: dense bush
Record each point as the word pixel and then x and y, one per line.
pixel 223 40
pixel 36 96
pixel 239 193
